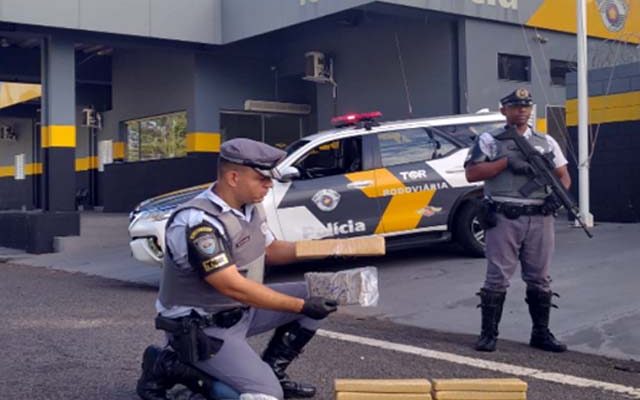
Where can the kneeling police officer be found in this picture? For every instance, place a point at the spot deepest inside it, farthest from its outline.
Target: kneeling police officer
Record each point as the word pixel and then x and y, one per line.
pixel 518 228
pixel 211 293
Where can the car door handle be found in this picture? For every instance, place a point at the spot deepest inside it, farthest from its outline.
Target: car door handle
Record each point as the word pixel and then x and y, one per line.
pixel 359 184
pixel 454 171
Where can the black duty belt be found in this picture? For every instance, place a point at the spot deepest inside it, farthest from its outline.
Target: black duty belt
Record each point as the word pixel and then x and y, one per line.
pixel 222 319
pixel 514 210
pixel 226 318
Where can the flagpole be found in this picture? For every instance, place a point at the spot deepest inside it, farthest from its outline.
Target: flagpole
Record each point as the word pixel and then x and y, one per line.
pixel 583 116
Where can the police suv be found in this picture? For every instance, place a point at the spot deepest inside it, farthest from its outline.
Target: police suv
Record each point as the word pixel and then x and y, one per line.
pixel 404 180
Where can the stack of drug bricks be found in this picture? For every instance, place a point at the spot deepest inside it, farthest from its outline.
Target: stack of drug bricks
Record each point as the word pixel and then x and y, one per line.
pixel 383 389
pixel 479 389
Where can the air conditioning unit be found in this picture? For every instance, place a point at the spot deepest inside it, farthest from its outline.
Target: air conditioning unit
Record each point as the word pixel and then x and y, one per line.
pixel 276 107
pixel 316 68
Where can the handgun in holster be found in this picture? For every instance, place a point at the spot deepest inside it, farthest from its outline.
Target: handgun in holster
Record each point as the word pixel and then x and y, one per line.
pixel 187 338
pixel 488 214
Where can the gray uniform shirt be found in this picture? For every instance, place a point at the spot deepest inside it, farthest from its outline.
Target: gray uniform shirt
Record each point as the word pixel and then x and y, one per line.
pixel 489 147
pixel 176 243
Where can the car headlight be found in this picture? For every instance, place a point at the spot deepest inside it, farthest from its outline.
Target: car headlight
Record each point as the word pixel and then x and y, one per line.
pixel 156 215
pixel 159 215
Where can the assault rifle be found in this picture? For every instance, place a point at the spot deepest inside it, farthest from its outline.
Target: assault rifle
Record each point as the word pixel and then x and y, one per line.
pixel 544 175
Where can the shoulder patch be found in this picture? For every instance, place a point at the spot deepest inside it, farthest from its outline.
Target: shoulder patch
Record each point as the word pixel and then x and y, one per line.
pixel 200 230
pixel 206 249
pixel 206 243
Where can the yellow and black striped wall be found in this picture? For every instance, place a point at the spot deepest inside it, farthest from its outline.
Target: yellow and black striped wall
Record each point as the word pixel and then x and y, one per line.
pixel 614 124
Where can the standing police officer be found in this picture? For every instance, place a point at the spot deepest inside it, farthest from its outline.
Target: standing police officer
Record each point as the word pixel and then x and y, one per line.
pixel 517 228
pixel 211 293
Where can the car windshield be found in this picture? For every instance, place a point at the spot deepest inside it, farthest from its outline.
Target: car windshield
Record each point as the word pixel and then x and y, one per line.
pixel 467 133
pixel 295 146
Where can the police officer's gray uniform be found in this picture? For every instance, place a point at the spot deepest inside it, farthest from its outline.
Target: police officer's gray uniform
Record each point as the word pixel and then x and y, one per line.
pixel 518 228
pixel 244 235
pixel 528 239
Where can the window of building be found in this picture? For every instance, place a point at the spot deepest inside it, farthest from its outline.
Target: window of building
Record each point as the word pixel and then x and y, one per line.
pixel 278 130
pixel 411 146
pixel 514 68
pixel 161 136
pixel 559 70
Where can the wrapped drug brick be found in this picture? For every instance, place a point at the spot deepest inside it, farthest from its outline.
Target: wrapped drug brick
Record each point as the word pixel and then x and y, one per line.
pixel 357 286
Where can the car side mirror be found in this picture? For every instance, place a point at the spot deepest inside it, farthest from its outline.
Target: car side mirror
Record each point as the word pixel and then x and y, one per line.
pixel 287 174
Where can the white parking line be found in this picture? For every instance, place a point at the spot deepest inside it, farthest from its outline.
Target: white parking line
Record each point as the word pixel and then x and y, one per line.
pixel 484 364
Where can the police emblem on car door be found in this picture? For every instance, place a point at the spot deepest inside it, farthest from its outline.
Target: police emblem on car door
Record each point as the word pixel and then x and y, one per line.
pixel 323 201
pixel 412 194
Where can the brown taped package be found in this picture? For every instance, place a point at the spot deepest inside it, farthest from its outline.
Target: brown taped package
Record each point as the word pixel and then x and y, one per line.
pixel 381 396
pixel 383 385
pixel 445 395
pixel 361 246
pixel 480 385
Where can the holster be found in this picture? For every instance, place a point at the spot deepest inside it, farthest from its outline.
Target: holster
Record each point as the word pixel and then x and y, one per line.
pixel 487 217
pixel 187 338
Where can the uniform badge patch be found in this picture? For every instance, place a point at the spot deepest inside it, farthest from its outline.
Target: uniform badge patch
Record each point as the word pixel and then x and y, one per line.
pixel 326 199
pixel 207 244
pixel 200 230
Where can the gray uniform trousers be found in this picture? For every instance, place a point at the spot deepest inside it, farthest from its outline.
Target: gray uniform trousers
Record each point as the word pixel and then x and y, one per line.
pixel 529 240
pixel 237 364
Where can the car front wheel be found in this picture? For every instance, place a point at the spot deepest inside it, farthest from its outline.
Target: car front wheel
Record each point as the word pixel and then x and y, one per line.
pixel 467 230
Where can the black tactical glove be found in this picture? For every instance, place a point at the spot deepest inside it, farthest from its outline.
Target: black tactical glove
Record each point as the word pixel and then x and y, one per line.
pixel 519 166
pixel 318 307
pixel 551 205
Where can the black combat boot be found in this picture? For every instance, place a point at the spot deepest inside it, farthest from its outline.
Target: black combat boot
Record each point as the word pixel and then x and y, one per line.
pixel 285 345
pixel 539 307
pixel 161 370
pixel 151 385
pixel 491 302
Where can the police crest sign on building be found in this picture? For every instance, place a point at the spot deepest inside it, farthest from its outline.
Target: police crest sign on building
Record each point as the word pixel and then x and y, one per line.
pixel 614 13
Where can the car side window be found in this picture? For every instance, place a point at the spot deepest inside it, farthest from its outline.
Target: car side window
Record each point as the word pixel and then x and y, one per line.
pixel 337 157
pixel 412 145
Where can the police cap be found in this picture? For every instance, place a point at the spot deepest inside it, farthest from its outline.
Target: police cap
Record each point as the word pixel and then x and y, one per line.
pixel 251 153
pixel 519 97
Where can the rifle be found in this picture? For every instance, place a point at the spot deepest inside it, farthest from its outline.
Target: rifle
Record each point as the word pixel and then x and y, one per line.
pixel 544 175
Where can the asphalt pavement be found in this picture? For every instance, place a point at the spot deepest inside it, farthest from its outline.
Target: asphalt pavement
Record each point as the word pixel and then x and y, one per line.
pixel 71 333
pixel 72 336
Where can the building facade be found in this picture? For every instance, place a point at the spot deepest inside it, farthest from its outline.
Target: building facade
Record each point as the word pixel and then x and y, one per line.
pixel 106 103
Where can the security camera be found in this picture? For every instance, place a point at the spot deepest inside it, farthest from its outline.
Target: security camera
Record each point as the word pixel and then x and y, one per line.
pixel 539 38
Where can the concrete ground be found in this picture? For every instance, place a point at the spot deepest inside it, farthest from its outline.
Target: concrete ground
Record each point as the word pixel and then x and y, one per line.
pixel 102 249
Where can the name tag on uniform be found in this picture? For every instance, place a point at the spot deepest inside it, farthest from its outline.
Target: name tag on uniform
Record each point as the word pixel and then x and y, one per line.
pixel 243 241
